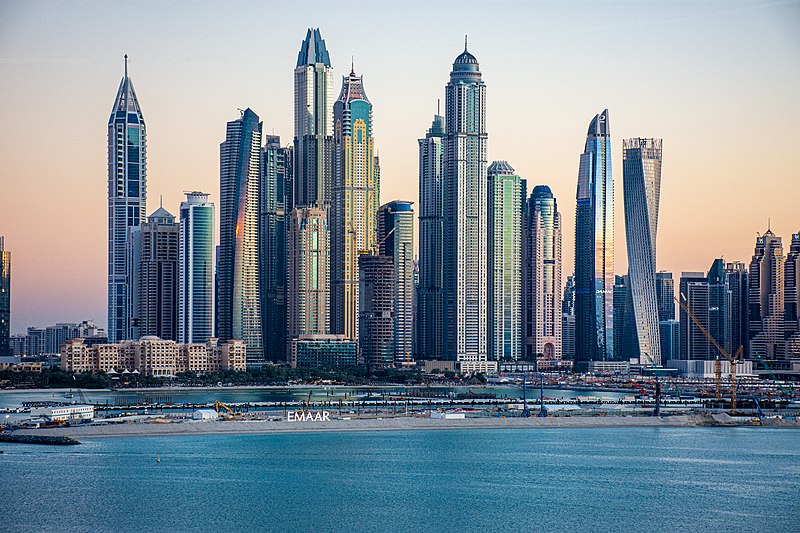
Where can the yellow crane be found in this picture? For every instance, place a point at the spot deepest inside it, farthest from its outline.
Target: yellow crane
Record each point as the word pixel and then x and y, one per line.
pixel 720 353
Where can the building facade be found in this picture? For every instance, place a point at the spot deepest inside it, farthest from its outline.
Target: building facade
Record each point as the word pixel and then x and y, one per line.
pixel 465 294
pixel 665 293
pixel 396 240
pixel 431 226
pixel 791 298
pixel 276 181
pixel 641 178
pixel 376 308
pixel 594 247
pixel 323 351
pixel 196 269
pixel 127 198
pixel 353 215
pixel 708 298
pixel 5 299
pixel 542 299
pixel 313 123
pixel 736 273
pixel 568 320
pixel 620 315
pixel 238 303
pixel 308 271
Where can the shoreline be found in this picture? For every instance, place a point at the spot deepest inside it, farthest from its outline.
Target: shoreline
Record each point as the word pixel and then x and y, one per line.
pixel 265 427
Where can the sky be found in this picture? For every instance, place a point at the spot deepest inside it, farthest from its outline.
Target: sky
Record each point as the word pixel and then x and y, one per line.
pixel 719 82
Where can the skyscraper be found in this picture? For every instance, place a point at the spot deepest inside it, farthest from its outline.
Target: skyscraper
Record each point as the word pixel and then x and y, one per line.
pixel 377 321
pixel 276 169
pixel 594 247
pixel 504 213
pixel 620 312
pixel 313 123
pixel 127 198
pixel 308 271
pixel 736 272
pixel 665 293
pixel 767 297
pixel 238 305
pixel 542 300
pixel 641 178
pixel 353 215
pixel 396 239
pixel 465 216
pixel 708 297
pixel 792 297
pixel 431 269
pixel 157 277
pixel 5 299
pixel 196 265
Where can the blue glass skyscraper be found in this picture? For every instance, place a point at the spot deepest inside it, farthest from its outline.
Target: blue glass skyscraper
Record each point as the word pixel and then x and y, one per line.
pixel 127 198
pixel 196 265
pixel 594 248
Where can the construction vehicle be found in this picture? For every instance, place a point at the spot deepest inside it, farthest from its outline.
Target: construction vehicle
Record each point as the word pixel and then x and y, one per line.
pixel 720 353
pixel 230 416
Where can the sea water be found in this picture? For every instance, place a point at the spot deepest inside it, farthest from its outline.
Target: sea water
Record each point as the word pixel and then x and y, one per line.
pixel 630 479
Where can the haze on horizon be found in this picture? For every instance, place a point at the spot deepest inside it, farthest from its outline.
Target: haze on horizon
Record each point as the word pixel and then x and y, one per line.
pixel 717 81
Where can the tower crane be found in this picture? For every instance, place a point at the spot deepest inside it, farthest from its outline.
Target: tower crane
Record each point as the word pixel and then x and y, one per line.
pixel 720 353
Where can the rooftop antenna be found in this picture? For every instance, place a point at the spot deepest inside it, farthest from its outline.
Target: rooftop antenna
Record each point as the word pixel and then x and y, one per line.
pixel 438 104
pixel 465 43
pixel 769 224
pixel 352 66
pixel 126 65
pixel 161 203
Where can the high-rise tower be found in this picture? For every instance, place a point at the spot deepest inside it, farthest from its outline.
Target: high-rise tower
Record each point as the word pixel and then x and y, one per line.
pixel 313 123
pixel 594 247
pixel 465 216
pixel 542 316
pixel 641 178
pixel 276 180
pixel 767 297
pixel 196 265
pixel 431 269
pixel 504 253
pixel 791 297
pixel 5 299
pixel 396 239
pixel 239 307
pixel 353 215
pixel 157 276
pixel 127 198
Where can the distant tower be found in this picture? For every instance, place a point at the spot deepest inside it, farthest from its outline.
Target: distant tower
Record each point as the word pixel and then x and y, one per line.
pixel 376 323
pixel 157 276
pixel 127 198
pixel 196 265
pixel 708 297
pixel 276 181
pixel 736 272
pixel 431 273
pixel 313 123
pixel 5 299
pixel 620 312
pixel 465 216
pixel 792 297
pixel 355 201
pixel 665 294
pixel 594 248
pixel 543 313
pixel 642 187
pixel 767 298
pixel 396 239
pixel 238 306
pixel 568 320
pixel 308 270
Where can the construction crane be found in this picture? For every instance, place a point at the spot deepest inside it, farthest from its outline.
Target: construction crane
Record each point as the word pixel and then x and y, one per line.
pixel 721 352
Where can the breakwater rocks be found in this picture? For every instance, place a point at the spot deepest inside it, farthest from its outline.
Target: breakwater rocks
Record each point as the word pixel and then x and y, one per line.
pixel 38 439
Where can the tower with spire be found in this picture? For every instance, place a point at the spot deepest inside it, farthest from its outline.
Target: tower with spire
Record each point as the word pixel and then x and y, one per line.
pixel 465 216
pixel 355 200
pixel 127 198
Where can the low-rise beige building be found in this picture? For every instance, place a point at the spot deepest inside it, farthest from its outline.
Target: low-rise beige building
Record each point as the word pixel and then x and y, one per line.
pixel 152 356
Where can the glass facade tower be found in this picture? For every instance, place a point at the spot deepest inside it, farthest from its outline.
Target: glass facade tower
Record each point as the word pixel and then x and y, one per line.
pixel 239 307
pixel 127 199
pixel 5 299
pixel 196 285
pixel 429 293
pixel 641 179
pixel 594 248
pixel 465 215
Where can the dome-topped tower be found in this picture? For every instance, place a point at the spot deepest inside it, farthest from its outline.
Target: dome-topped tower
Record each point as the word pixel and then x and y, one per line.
pixel 465 67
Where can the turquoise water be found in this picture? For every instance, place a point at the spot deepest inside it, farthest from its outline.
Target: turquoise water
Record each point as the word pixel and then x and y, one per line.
pixel 664 479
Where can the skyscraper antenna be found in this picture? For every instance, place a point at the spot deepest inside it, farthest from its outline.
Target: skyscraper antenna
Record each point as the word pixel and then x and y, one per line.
pixel 161 203
pixel 769 224
pixel 352 66
pixel 438 105
pixel 465 43
pixel 126 65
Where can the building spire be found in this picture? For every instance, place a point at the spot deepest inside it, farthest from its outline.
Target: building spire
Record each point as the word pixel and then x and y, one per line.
pixel 438 106
pixel 352 66
pixel 126 65
pixel 465 43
